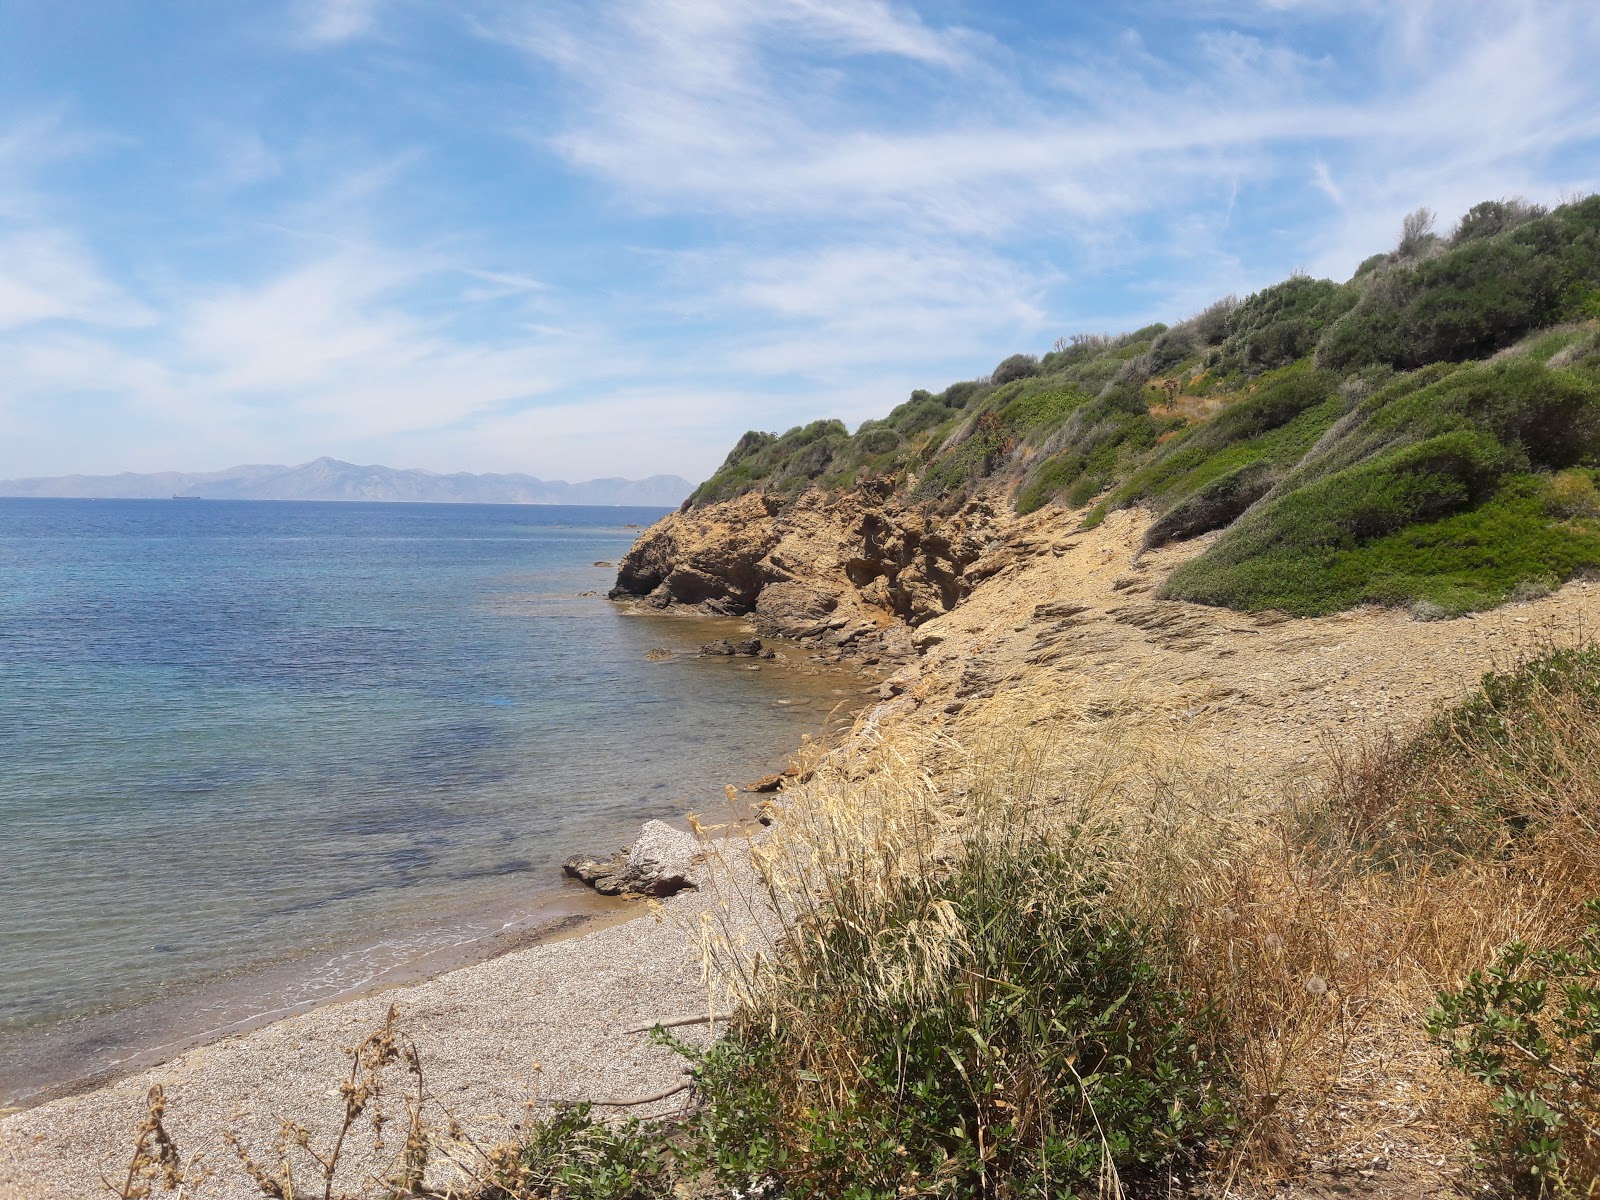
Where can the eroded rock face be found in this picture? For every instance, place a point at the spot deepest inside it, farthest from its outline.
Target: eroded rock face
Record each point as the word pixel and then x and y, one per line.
pixel 794 609
pixel 712 558
pixel 841 569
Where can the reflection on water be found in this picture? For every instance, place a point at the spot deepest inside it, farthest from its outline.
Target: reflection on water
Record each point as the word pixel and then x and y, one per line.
pixel 253 749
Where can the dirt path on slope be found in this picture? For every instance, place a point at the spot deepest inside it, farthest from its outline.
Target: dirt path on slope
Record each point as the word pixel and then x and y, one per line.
pixel 1072 631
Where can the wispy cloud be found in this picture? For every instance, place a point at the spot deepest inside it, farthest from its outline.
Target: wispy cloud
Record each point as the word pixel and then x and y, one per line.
pixel 581 238
pixel 325 21
pixel 46 275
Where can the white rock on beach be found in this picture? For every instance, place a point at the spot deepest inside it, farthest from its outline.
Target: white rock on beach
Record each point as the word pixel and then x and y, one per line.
pixel 664 856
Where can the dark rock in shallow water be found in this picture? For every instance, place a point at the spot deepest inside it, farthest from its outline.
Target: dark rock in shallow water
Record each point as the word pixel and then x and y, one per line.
pixel 604 875
pixel 727 648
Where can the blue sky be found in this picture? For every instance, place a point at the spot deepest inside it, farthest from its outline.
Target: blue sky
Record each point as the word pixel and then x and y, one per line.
pixel 581 239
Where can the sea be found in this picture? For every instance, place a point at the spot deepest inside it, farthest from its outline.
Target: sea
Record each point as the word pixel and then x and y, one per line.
pixel 260 755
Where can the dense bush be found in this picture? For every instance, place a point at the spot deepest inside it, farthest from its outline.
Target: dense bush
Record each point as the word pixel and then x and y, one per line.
pixel 1425 494
pixel 1281 324
pixel 1024 1043
pixel 765 459
pixel 1018 366
pixel 1494 217
pixel 1483 294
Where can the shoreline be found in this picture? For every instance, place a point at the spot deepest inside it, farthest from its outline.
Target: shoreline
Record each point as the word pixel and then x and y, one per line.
pixel 68 1056
pixel 554 1020
pixel 564 913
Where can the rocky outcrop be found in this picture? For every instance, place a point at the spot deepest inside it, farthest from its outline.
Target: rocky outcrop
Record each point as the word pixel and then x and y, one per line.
pixel 714 558
pixel 851 569
pixel 659 863
pixel 728 648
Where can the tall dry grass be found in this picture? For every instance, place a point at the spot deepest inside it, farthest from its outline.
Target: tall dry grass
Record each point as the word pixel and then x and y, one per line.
pixel 970 963
pixel 1419 862
pixel 1317 931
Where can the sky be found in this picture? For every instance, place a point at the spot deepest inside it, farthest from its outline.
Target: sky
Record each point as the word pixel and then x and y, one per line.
pixel 605 238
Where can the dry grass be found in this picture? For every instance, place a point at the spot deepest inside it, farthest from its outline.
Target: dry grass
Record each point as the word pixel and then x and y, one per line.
pixel 926 885
pixel 1191 409
pixel 1420 863
pixel 1143 816
pixel 1320 929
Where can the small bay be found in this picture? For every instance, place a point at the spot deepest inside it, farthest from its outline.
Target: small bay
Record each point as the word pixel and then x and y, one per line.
pixel 258 754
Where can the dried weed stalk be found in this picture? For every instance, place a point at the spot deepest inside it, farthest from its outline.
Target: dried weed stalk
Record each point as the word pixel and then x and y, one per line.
pixel 367 1097
pixel 156 1159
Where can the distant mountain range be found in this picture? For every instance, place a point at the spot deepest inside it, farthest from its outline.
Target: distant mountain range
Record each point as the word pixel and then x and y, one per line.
pixel 330 479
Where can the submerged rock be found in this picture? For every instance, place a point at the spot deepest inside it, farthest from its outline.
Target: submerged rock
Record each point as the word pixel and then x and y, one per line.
pixel 727 648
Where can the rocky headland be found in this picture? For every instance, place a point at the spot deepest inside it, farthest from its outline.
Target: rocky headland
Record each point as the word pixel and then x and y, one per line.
pixel 949 610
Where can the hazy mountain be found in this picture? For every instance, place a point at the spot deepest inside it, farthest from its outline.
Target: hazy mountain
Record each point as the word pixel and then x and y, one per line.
pixel 330 479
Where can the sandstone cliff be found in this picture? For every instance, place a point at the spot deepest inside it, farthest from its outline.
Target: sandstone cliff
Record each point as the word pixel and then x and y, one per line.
pixel 855 569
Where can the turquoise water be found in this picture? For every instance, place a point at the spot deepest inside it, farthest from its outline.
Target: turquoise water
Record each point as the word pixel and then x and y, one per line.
pixel 239 735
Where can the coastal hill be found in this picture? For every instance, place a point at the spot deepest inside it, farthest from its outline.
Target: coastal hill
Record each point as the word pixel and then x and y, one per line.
pixel 1424 435
pixel 330 479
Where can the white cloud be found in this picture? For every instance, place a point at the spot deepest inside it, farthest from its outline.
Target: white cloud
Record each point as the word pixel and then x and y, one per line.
pixel 47 274
pixel 686 108
pixel 859 200
pixel 1322 180
pixel 325 21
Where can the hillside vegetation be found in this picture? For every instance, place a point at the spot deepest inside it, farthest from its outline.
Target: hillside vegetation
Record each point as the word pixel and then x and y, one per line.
pixel 1426 433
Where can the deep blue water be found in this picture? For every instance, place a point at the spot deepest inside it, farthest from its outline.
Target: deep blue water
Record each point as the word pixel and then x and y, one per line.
pixel 231 732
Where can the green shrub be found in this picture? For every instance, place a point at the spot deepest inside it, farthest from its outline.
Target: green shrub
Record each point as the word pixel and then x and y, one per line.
pixel 1281 324
pixel 1051 477
pixel 1037 412
pixel 1036 1044
pixel 1480 296
pixel 1528 1028
pixel 1084 490
pixel 1101 435
pixel 1573 495
pixel 1494 217
pixel 1018 366
pixel 1424 492
pixel 574 1155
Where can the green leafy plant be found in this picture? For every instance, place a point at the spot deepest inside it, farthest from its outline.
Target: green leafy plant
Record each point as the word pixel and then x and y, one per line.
pixel 1528 1028
pixel 997 1031
pixel 572 1154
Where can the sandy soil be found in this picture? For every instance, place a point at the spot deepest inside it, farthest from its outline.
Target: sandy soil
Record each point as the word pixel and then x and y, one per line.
pixel 1074 622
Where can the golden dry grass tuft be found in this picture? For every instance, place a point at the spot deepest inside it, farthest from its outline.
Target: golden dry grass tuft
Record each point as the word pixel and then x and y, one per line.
pixel 1419 863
